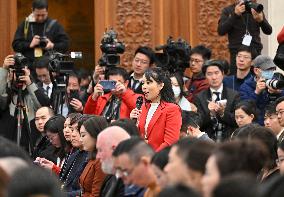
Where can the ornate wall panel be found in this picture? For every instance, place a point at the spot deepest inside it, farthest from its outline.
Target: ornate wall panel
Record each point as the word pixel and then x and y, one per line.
pixel 207 21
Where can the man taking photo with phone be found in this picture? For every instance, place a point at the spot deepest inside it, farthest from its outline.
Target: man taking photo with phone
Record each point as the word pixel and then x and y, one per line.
pixel 112 101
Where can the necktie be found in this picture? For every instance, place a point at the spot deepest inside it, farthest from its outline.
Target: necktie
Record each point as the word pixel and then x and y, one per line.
pixel 217 96
pixel 47 90
pixel 135 82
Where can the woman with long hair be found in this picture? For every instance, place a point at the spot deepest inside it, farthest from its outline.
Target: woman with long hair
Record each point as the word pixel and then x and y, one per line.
pixel 92 177
pixel 159 119
pixel 245 112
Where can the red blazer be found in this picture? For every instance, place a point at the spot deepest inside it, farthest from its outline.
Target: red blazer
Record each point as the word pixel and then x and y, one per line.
pixel 280 37
pixel 164 127
pixel 91 179
pixel 97 106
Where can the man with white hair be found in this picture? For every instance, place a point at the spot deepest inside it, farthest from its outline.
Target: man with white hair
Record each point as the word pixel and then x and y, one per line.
pixel 107 141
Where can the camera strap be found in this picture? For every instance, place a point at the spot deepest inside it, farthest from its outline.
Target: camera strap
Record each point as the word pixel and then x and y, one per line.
pixel 247 38
pixel 26 27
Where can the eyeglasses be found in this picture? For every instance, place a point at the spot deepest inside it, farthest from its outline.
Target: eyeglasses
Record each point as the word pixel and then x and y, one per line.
pixel 243 56
pixel 123 172
pixel 51 137
pixel 280 160
pixel 195 60
pixel 137 60
pixel 280 112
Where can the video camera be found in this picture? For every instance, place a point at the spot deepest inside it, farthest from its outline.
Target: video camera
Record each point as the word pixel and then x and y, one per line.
pixel 252 5
pixel 175 56
pixel 110 48
pixel 62 65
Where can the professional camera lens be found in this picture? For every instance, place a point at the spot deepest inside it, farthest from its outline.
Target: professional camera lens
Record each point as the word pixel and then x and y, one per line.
pixel 42 42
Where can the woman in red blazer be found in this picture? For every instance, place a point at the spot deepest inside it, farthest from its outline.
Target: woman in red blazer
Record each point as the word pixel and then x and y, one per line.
pixel 159 119
pixel 92 177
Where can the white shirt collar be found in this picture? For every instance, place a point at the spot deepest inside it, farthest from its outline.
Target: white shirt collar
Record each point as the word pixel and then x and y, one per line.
pixel 218 90
pixel 45 85
pixel 278 135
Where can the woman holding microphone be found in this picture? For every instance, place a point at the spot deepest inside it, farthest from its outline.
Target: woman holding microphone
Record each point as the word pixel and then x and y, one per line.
pixel 159 119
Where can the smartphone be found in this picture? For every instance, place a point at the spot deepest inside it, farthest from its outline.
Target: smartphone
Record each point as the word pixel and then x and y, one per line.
pixel 108 85
pixel 74 94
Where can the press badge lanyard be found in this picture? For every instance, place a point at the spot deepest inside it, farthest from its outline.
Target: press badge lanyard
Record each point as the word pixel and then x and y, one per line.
pixel 247 37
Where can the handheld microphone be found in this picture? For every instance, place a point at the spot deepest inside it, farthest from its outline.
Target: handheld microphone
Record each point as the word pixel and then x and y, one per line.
pixel 139 103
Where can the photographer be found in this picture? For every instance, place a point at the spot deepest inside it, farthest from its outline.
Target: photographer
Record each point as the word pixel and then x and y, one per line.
pixel 115 104
pixel 38 33
pixel 240 21
pixel 33 98
pixel 255 87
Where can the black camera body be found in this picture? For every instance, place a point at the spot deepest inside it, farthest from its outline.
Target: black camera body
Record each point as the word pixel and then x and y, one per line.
pixel 20 63
pixel 42 42
pixel 175 56
pixel 252 5
pixel 110 48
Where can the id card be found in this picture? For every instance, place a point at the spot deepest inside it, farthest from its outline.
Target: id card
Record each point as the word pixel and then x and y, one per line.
pixel 38 52
pixel 247 40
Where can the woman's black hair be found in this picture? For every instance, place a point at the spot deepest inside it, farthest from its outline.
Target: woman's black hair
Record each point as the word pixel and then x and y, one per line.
pixel 249 107
pixel 161 158
pixel 56 125
pixel 157 74
pixel 94 125
pixel 179 78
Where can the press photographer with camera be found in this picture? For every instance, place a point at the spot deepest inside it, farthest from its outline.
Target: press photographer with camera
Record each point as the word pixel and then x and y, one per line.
pixel 39 33
pixel 112 98
pixel 258 88
pixel 24 95
pixel 242 22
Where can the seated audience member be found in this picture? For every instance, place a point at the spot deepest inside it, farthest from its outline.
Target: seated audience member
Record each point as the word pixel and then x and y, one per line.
pixel 237 185
pixel 269 142
pixel 143 59
pixel 85 82
pixel 43 147
pixel 159 119
pixel 198 82
pixel 54 132
pixel 216 104
pixel 245 112
pixel 190 126
pixel 244 58
pixel 92 176
pixel 12 164
pixel 178 89
pixel 34 181
pixel 232 157
pixel 272 122
pixel 132 163
pixel 279 112
pixel 178 191
pixel 280 160
pixel 115 104
pixel 128 125
pixel 187 160
pixel 255 88
pixel 158 162
pixel 107 141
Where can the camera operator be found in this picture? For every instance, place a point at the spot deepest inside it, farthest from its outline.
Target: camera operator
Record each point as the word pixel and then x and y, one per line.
pixel 38 33
pixel 115 104
pixel 242 23
pixel 255 87
pixel 32 96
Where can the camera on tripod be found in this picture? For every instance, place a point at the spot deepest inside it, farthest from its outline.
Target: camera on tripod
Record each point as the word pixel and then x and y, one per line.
pixel 252 5
pixel 20 63
pixel 175 56
pixel 110 48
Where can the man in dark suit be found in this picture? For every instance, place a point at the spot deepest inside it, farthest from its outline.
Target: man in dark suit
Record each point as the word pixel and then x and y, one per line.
pixel 143 59
pixel 216 104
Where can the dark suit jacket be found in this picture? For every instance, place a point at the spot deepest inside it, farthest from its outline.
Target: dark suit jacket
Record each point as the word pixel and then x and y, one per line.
pixel 201 102
pixel 92 178
pixel 137 90
pixel 112 187
pixel 164 127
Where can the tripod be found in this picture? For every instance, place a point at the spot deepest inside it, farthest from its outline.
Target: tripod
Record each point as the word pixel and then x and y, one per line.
pixel 22 121
pixel 60 93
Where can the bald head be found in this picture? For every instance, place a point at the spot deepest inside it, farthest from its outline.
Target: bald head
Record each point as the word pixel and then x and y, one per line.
pixel 42 116
pixel 107 141
pixel 11 164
